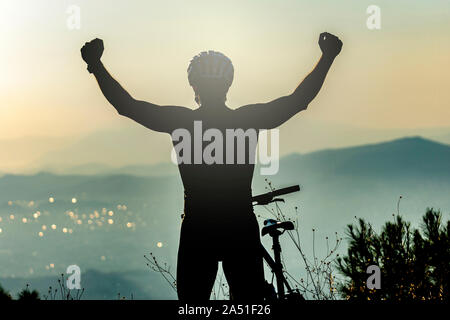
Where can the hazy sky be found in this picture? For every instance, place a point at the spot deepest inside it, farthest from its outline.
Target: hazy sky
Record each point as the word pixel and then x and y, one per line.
pixel 396 77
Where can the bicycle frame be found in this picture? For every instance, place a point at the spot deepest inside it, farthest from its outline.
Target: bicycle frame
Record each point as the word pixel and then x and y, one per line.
pixel 275 264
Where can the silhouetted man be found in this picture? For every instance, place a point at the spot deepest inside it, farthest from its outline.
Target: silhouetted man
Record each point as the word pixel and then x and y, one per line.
pixel 218 223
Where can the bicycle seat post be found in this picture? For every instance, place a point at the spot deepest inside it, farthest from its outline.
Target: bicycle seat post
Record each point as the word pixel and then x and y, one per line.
pixel 275 234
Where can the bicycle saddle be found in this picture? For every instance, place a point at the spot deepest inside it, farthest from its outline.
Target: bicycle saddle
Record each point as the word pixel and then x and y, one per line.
pixel 271 225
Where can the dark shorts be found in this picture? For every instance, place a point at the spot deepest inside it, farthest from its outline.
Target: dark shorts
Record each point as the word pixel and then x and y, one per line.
pixel 229 234
pixel 220 231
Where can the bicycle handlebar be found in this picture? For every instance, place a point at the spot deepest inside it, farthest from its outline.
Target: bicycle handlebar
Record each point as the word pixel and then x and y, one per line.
pixel 267 198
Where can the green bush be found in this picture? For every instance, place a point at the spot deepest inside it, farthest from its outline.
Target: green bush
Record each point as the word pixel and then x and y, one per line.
pixel 414 264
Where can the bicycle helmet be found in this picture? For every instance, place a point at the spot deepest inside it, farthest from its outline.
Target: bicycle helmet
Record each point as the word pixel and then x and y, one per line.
pixel 210 65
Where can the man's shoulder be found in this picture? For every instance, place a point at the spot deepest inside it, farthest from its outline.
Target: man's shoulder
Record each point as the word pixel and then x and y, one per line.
pixel 180 113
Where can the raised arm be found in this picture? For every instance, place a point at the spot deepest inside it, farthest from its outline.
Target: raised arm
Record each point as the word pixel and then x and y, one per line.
pixel 274 113
pixel 152 116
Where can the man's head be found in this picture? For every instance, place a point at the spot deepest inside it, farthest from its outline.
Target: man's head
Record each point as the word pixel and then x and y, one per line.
pixel 210 73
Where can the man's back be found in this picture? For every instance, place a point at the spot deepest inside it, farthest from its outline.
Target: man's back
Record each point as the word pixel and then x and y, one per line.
pixel 220 161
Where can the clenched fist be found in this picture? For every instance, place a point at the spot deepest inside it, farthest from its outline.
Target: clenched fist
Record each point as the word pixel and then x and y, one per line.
pixel 92 52
pixel 329 44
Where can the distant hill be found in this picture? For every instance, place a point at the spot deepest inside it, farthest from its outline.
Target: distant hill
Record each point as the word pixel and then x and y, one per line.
pixel 443 138
pixel 20 153
pixel 159 169
pixel 105 149
pixel 117 186
pixel 415 157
